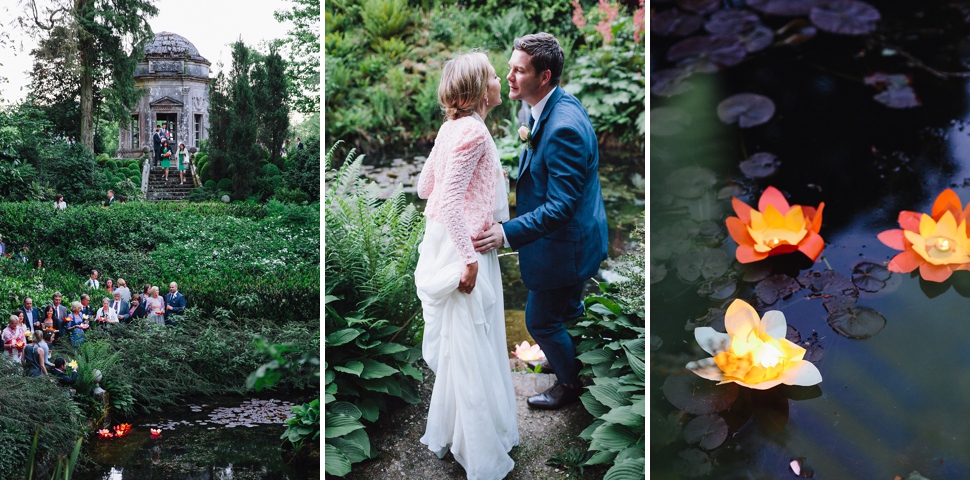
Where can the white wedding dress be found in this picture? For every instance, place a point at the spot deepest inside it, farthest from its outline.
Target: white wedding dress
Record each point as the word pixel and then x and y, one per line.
pixel 472 411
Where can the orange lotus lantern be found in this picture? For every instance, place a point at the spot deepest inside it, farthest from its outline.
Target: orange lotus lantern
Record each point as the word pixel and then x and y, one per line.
pixel 528 353
pixel 105 433
pixel 122 430
pixel 156 432
pixel 775 228
pixel 937 244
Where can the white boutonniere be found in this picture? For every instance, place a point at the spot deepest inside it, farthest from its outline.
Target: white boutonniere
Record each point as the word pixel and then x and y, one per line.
pixel 525 133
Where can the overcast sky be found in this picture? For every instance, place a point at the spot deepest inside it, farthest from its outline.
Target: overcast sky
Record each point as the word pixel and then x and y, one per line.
pixel 211 25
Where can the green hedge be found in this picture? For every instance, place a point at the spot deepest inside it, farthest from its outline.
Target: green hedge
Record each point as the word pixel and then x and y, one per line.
pixel 255 260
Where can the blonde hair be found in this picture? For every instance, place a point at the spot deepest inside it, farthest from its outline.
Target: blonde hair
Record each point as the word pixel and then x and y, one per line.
pixel 464 83
pixel 75 306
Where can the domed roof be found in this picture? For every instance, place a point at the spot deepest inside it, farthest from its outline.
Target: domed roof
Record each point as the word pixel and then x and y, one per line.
pixel 171 45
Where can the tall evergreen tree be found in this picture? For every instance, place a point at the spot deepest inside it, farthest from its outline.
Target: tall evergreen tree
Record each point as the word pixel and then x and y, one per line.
pixel 242 134
pixel 107 37
pixel 272 102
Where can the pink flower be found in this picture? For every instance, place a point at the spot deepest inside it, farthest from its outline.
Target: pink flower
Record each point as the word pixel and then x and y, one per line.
pixel 528 353
pixel 578 18
pixel 605 27
pixel 638 23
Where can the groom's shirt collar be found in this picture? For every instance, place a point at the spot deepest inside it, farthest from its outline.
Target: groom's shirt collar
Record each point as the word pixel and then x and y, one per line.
pixel 537 110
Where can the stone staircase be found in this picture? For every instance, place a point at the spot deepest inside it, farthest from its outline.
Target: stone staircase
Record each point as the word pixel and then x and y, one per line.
pixel 161 191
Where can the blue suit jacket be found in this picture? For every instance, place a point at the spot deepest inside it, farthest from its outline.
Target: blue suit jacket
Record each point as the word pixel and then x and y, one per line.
pixel 177 302
pixel 560 224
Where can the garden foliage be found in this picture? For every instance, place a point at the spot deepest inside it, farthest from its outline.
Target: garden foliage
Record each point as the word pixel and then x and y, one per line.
pixel 372 310
pixel 29 405
pixel 218 253
pixel 384 61
pixel 612 348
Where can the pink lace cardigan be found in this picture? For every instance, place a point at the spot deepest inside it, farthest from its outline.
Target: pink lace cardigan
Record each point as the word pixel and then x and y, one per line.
pixel 459 179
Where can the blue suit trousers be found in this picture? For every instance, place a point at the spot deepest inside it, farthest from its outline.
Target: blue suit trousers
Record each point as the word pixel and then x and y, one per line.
pixel 546 313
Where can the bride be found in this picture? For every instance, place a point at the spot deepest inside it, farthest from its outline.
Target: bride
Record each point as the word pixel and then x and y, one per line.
pixel 472 409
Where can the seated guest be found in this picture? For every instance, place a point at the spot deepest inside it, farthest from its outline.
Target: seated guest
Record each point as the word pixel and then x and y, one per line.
pixel 137 309
pixel 76 324
pixel 14 341
pixel 123 289
pixel 121 307
pixel 62 377
pixel 34 357
pixel 106 315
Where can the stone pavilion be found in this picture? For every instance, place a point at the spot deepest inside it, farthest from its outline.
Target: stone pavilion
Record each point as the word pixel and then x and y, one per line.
pixel 176 82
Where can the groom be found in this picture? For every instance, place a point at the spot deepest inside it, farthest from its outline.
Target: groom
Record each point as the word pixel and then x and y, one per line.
pixel 560 227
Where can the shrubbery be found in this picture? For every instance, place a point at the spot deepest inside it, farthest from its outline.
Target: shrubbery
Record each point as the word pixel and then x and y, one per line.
pixel 195 244
pixel 34 404
pixel 373 313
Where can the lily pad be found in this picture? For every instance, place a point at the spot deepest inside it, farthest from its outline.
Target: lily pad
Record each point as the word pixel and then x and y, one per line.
pixel 664 430
pixel 673 240
pixel 707 54
pixel 785 8
pixel 668 121
pixel 760 165
pixel 838 291
pixel 675 23
pixel 694 463
pixel 792 335
pixel 702 262
pixel 670 82
pixel 732 189
pixel 698 396
pixel 870 277
pixel 858 323
pixel 708 430
pixel 714 318
pixel 758 39
pixel 719 288
pixel 904 97
pixel 699 6
pixel 748 109
pixel 730 22
pixel 691 182
pixel 846 17
pixel 657 272
pixel 776 287
pixel 755 272
pixel 710 233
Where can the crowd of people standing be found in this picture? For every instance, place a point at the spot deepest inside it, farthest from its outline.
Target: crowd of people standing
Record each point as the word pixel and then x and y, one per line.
pixel 31 330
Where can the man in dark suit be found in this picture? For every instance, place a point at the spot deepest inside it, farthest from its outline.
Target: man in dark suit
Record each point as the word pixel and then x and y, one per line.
pixel 121 307
pixel 86 310
pixel 560 225
pixel 60 312
pixel 31 315
pixel 62 377
pixel 157 145
pixel 174 303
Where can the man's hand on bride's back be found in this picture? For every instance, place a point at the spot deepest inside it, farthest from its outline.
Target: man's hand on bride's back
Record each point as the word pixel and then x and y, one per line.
pixel 467 282
pixel 491 239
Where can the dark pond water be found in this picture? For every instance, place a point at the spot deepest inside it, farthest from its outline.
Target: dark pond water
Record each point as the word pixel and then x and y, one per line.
pixel 205 439
pixel 890 404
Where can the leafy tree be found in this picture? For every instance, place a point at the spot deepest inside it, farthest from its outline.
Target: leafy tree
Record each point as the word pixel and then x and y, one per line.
pixel 218 142
pixel 107 37
pixel 304 41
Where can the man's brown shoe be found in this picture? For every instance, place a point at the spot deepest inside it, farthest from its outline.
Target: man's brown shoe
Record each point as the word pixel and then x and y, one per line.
pixel 558 396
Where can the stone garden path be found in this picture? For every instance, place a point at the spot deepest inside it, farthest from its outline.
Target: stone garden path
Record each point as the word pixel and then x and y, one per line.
pixel 401 455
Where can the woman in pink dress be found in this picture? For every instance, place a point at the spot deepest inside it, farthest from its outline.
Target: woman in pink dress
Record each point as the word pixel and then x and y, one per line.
pixel 472 410
pixel 14 340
